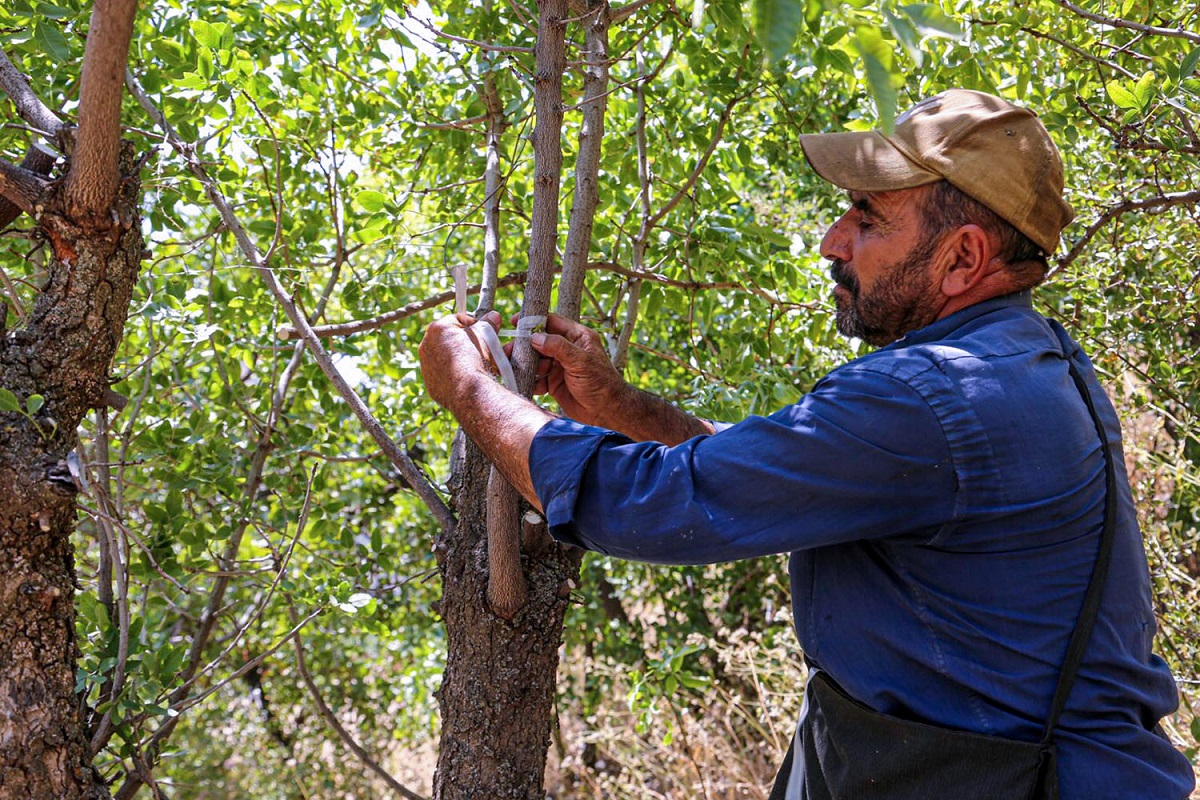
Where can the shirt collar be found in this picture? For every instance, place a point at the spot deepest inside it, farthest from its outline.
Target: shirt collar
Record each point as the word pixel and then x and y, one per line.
pixel 940 329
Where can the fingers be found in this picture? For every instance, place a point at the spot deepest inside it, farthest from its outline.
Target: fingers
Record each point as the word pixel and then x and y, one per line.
pixel 492 318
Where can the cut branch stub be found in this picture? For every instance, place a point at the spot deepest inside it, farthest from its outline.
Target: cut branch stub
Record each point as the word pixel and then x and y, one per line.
pixel 23 188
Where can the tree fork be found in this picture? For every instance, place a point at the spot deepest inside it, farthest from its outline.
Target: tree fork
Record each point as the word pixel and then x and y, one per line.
pixel 497 693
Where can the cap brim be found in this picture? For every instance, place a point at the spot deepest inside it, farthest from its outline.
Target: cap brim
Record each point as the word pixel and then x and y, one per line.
pixel 863 161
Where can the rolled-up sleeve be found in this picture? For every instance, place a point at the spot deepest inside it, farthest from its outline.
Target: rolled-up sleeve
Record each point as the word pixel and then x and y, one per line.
pixel 861 456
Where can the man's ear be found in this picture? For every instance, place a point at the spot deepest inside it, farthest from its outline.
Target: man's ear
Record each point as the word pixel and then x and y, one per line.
pixel 967 255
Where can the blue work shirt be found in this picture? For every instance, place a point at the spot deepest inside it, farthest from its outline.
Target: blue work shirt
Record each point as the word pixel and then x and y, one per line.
pixel 942 500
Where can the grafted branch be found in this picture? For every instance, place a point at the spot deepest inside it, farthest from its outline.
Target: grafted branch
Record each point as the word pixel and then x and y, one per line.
pixel 587 161
pixel 506 583
pixel 93 176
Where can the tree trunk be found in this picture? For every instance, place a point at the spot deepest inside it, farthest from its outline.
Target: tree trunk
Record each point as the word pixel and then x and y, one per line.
pixel 63 355
pixel 497 695
pixel 498 688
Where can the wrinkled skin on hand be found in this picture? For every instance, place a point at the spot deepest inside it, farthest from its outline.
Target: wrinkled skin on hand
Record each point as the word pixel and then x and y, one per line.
pixel 450 359
pixel 577 372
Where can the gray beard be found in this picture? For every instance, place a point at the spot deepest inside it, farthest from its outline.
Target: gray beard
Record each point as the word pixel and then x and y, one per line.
pixel 901 301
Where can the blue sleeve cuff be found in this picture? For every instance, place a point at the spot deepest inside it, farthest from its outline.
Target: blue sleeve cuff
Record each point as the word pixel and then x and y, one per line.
pixel 558 458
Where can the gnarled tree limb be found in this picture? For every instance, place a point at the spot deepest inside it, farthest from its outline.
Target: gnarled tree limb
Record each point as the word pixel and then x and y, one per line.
pixel 24 189
pixel 36 161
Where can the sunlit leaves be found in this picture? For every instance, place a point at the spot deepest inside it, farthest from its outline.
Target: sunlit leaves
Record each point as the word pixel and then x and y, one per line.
pixel 877 60
pixel 776 24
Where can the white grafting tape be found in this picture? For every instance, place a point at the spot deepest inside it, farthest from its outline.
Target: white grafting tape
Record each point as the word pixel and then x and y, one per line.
pixel 459 273
pixel 525 326
pixel 484 333
pixel 487 336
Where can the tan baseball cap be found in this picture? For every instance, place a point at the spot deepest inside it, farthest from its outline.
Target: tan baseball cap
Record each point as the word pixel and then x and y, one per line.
pixel 988 148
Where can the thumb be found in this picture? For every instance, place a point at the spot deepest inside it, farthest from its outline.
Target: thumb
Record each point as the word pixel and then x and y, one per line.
pixel 553 346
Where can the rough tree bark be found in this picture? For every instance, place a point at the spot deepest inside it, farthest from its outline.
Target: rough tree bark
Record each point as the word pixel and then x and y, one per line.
pixel 62 354
pixel 498 689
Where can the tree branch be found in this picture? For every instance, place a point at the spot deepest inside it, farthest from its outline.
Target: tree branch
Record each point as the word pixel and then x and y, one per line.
pixel 400 459
pixel 1152 205
pixel 24 189
pixel 1116 22
pixel 718 135
pixel 94 175
pixel 29 107
pixel 333 722
pixel 506 592
pixel 288 333
pixel 487 46
pixel 36 161
pixel 622 13
pixel 587 161
pixel 493 185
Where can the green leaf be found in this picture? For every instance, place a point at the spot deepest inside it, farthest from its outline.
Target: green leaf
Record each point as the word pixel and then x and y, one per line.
pixel 371 201
pixel 776 24
pixel 206 34
pixel 1143 90
pixel 906 33
pixel 34 403
pixel 8 401
pixel 932 21
pixel 52 41
pixel 876 58
pixel 1121 96
pixel 169 51
pixel 55 12
pixel 1189 63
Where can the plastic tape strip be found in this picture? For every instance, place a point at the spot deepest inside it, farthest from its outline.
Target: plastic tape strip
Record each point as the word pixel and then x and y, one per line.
pixel 485 334
pixel 525 326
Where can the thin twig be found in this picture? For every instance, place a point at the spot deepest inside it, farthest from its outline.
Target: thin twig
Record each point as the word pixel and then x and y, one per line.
pixel 1116 22
pixel 333 722
pixel 621 13
pixel 493 48
pixel 413 474
pixel 1152 205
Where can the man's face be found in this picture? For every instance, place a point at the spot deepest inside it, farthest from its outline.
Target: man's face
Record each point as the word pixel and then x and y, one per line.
pixel 881 265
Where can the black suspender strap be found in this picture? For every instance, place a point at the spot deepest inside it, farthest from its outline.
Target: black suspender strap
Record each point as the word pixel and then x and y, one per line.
pixel 1095 590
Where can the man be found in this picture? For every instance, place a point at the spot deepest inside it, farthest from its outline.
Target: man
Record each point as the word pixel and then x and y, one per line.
pixel 943 498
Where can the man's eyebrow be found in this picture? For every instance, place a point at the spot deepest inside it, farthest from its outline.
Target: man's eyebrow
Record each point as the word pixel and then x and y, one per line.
pixel 862 202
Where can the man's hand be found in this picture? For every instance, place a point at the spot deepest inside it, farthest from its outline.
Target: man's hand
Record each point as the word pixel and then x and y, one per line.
pixel 451 363
pixel 578 373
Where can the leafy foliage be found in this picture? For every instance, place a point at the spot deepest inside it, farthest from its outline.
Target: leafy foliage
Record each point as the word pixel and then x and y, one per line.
pixel 350 138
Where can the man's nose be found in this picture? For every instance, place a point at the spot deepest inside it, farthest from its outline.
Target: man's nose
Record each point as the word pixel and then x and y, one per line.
pixel 836 244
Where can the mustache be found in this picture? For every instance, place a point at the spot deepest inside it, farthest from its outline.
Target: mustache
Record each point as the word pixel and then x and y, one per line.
pixel 843 277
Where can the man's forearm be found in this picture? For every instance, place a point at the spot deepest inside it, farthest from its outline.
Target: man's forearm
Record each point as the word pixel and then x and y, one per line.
pixel 502 425
pixel 646 417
